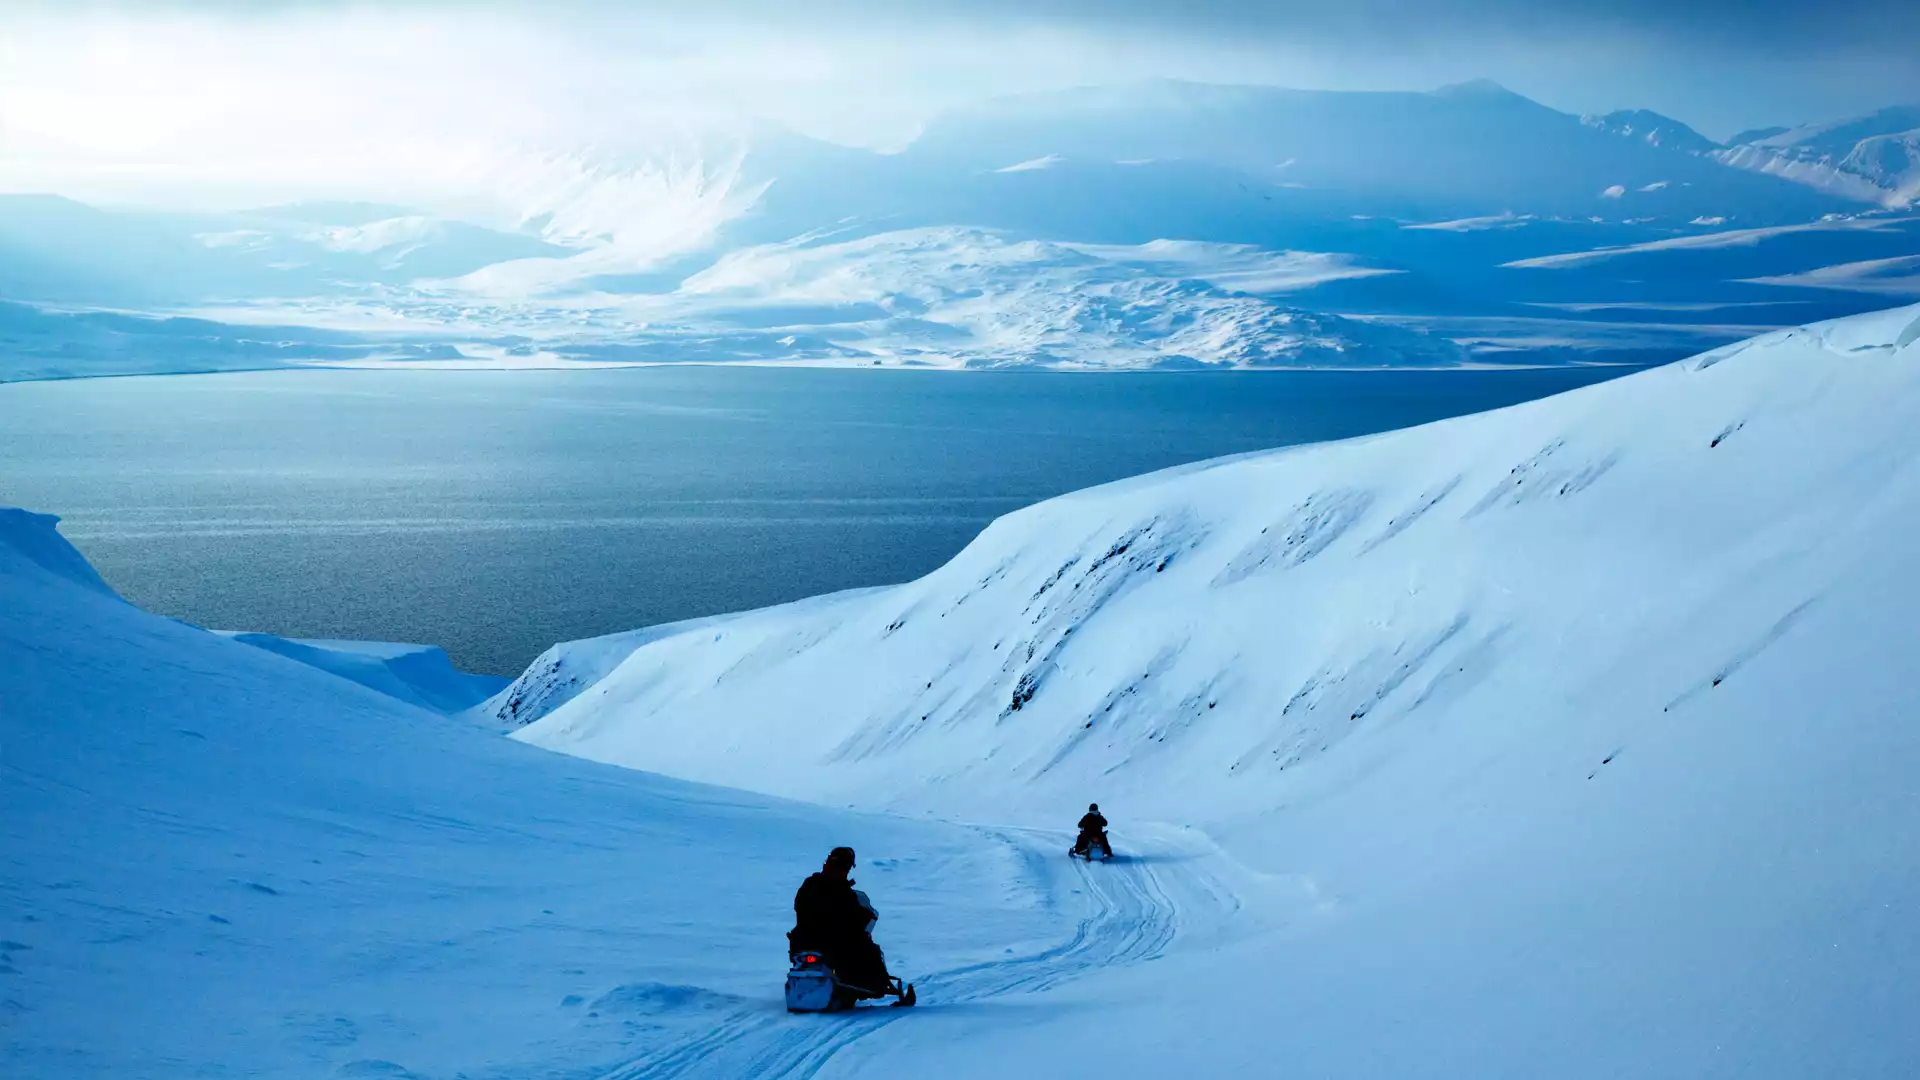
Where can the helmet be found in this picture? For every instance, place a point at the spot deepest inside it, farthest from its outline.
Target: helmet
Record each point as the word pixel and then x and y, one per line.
pixel 841 855
pixel 1094 807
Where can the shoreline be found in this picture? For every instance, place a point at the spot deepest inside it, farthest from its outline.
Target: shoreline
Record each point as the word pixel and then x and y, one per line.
pixel 456 367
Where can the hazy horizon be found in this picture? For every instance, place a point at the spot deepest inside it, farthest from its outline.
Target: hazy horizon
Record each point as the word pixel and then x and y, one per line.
pixel 217 105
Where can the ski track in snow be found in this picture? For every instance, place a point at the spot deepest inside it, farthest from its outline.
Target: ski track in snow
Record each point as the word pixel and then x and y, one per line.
pixel 1130 918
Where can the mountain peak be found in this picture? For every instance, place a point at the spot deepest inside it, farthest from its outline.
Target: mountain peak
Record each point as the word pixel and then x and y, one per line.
pixel 1475 88
pixel 1653 129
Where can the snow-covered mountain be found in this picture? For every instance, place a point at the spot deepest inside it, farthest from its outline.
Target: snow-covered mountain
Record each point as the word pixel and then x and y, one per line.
pixel 927 297
pixel 964 297
pixel 1873 158
pixel 1653 129
pixel 1476 148
pixel 1102 227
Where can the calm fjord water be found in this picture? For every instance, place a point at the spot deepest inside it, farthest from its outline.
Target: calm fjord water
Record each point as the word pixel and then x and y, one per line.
pixel 496 513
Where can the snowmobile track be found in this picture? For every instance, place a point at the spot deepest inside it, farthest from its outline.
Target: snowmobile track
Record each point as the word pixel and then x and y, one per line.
pixel 1132 918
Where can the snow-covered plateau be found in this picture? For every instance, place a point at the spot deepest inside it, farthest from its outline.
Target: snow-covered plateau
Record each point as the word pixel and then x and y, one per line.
pixel 1573 739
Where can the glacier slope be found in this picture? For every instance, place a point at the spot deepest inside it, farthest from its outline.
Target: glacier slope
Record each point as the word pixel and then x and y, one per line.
pixel 1577 734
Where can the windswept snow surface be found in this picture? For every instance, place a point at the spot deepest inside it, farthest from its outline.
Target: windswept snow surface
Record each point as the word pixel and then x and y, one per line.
pixel 1572 739
pixel 215 861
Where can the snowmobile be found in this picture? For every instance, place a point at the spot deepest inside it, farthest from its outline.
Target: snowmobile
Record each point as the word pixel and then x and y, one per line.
pixel 814 986
pixel 1092 848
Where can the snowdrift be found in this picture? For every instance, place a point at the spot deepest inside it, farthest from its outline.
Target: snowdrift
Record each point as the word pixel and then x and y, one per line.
pixel 1575 738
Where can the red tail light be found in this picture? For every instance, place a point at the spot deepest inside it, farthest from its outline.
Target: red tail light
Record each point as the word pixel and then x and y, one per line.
pixel 810 958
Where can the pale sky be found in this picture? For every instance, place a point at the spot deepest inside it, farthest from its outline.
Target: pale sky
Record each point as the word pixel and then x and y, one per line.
pixel 483 110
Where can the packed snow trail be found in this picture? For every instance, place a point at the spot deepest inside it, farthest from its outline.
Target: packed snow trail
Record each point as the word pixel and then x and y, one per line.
pixel 1129 913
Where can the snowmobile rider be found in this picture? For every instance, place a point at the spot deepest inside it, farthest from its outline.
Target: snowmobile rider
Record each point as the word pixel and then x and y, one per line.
pixel 1092 827
pixel 832 919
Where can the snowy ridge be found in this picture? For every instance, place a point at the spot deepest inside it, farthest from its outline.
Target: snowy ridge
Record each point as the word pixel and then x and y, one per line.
pixel 1873 158
pixel 558 675
pixel 30 544
pixel 1817 173
pixel 1653 129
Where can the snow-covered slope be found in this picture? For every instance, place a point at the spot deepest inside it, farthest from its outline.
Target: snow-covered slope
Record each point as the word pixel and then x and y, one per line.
pixel 1230 622
pixel 215 861
pixel 1653 129
pixel 55 250
pixel 416 674
pixel 1873 158
pixel 557 675
pixel 1577 736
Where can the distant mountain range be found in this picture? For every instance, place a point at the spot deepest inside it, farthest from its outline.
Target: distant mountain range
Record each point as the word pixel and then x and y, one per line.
pixel 1144 225
pixel 1252 164
pixel 1872 159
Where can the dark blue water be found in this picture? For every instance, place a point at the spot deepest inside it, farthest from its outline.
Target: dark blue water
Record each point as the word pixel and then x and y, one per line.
pixel 496 513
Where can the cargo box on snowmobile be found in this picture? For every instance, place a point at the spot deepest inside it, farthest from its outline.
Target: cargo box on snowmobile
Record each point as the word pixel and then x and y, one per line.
pixel 813 987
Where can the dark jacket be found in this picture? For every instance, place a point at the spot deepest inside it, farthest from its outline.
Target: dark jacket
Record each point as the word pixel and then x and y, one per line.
pixel 826 914
pixel 829 918
pixel 1093 823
